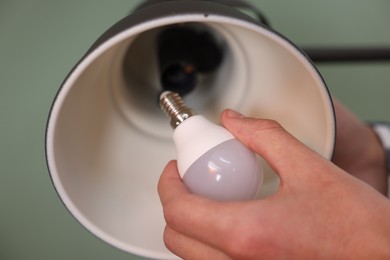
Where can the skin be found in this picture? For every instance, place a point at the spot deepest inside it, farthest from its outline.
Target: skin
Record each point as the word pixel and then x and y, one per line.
pixel 319 211
pixel 358 150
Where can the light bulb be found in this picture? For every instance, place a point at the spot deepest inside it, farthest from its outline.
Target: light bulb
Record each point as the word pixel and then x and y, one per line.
pixel 211 161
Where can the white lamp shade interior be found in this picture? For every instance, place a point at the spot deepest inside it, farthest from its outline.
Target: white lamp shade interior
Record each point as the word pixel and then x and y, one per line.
pixel 109 141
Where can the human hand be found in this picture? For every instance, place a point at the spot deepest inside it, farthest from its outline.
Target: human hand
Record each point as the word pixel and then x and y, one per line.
pixel 319 211
pixel 358 150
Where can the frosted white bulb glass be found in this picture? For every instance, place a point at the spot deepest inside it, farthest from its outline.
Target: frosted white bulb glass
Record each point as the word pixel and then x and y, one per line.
pixel 226 172
pixel 211 162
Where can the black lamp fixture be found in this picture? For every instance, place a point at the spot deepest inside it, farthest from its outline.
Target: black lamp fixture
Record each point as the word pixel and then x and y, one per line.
pixel 107 140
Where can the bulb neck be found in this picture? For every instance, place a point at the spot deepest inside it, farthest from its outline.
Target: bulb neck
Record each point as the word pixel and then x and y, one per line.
pixel 173 105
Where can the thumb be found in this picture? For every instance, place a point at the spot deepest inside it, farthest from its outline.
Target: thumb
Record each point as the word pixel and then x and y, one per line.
pixel 283 152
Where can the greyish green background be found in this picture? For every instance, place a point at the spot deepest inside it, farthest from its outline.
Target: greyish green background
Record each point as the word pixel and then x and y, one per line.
pixel 40 41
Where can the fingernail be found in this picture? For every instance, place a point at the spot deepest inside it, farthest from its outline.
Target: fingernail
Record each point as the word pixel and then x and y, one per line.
pixel 234 114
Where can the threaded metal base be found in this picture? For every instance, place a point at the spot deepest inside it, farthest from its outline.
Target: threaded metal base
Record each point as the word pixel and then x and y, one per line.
pixel 173 105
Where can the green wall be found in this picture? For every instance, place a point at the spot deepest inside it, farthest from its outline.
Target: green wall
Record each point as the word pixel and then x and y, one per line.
pixel 41 40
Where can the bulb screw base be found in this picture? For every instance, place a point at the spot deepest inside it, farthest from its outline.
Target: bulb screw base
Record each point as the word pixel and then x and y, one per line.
pixel 173 105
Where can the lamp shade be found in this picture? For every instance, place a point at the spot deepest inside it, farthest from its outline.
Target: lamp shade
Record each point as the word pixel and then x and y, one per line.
pixel 107 140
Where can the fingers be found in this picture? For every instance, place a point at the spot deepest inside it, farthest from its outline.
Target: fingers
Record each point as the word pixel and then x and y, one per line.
pixel 188 248
pixel 170 185
pixel 193 216
pixel 213 223
pixel 283 152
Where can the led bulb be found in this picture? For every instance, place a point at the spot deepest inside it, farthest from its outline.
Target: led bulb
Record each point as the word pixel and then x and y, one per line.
pixel 211 162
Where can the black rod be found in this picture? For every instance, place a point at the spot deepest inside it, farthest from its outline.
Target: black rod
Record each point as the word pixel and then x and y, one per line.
pixel 348 54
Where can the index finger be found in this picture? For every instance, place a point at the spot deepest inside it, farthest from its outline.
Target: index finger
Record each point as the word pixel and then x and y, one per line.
pixel 283 152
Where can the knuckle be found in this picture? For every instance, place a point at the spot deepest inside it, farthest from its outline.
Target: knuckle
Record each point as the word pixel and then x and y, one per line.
pixel 168 239
pixel 263 130
pixel 244 245
pixel 250 243
pixel 268 124
pixel 168 212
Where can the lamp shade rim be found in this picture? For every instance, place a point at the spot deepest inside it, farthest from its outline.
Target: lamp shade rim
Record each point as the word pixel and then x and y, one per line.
pixel 148 18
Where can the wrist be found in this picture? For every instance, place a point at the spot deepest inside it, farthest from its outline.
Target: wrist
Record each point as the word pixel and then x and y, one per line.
pixel 371 165
pixel 363 157
pixel 382 132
